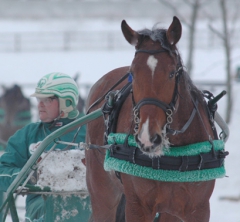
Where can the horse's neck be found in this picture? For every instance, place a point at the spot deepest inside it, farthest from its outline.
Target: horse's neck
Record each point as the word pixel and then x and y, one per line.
pixel 199 128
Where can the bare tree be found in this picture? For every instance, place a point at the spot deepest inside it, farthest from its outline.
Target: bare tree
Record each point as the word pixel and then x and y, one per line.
pixel 191 24
pixel 225 37
pixel 227 48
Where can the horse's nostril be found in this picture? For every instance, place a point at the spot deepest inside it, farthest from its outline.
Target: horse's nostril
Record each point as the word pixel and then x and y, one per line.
pixel 157 139
pixel 147 149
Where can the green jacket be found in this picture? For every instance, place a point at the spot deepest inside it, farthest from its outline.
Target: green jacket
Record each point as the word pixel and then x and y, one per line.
pixel 24 142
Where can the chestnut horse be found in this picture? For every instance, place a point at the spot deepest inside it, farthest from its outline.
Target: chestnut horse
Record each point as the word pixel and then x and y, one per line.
pixel 14 111
pixel 163 110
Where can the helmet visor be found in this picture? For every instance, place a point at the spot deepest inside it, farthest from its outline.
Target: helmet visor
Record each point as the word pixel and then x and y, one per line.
pixel 40 95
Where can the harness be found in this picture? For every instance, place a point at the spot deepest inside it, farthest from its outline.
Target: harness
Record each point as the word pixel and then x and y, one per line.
pixel 132 154
pixel 187 158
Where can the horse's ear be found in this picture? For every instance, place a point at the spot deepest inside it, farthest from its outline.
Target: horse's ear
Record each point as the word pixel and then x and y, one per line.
pixel 130 35
pixel 174 31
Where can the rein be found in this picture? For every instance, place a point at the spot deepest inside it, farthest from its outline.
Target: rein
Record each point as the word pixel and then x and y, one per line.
pixel 101 98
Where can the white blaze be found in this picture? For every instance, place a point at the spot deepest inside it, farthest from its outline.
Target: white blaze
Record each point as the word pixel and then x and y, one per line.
pixel 144 137
pixel 152 63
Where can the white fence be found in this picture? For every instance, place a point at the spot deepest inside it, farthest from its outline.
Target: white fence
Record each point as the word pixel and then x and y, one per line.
pixel 92 40
pixel 60 41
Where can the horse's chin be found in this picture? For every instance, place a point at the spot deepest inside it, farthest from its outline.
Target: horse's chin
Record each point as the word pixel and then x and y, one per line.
pixel 156 153
pixel 158 150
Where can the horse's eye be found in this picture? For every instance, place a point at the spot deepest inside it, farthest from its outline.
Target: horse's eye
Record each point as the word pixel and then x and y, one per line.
pixel 171 74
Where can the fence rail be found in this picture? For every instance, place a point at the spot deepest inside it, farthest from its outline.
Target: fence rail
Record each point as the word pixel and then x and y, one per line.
pixel 61 41
pixel 88 40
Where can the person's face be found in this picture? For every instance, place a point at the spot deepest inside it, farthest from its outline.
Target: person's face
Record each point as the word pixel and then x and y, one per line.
pixel 48 108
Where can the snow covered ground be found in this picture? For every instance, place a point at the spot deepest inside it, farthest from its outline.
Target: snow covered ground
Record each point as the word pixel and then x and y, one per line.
pixel 28 68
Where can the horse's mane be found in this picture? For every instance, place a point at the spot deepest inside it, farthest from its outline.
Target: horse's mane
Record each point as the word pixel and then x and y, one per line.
pixel 193 90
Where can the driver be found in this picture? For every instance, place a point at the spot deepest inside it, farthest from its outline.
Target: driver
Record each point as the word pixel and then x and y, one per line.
pixel 57 96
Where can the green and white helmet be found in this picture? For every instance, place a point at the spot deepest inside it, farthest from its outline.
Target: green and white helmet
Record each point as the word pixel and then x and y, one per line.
pixel 62 86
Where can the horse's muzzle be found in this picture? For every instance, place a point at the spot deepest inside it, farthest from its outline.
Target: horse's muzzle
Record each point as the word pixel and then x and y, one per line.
pixel 153 147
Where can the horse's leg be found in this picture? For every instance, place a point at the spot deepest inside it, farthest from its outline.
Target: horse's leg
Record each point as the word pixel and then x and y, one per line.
pixel 201 214
pixel 165 217
pixel 120 214
pixel 103 189
pixel 138 216
pixel 91 219
pixel 134 212
pixel 135 209
pixel 198 207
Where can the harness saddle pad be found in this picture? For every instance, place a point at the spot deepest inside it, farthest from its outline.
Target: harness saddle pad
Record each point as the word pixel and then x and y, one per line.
pixel 205 166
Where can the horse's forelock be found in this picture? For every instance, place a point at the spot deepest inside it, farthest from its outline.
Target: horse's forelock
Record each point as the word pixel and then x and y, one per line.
pixel 157 34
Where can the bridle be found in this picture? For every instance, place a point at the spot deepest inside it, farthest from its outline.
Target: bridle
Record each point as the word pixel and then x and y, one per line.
pixel 171 107
pixel 167 108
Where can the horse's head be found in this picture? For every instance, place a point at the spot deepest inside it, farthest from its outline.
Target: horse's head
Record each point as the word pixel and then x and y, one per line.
pixel 155 71
pixel 14 111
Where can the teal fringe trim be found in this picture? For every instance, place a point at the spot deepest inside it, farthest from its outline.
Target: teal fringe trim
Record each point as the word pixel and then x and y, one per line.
pixel 188 150
pixel 123 166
